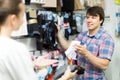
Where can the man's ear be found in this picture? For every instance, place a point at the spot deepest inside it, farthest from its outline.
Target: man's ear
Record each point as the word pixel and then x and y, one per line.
pixel 101 21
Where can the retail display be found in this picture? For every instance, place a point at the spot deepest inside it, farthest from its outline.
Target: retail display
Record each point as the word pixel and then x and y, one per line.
pixel 41 25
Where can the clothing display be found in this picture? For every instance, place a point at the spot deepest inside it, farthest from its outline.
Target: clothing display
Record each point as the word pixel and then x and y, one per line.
pixel 33 30
pixel 13 55
pixel 50 37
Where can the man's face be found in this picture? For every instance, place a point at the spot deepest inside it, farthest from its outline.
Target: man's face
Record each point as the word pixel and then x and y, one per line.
pixel 93 22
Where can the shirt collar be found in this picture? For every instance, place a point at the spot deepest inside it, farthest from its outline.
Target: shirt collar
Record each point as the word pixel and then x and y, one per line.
pixel 98 34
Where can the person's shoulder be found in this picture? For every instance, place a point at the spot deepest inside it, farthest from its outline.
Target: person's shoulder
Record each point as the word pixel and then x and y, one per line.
pixel 107 36
pixel 9 43
pixel 17 43
pixel 84 32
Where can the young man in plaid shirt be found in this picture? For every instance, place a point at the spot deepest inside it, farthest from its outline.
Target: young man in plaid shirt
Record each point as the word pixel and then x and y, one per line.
pixel 95 55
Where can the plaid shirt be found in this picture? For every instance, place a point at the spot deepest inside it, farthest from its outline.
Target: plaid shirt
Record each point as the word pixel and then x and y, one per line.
pixel 100 45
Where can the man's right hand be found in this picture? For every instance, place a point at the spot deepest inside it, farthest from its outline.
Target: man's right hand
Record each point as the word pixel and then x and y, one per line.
pixel 58 27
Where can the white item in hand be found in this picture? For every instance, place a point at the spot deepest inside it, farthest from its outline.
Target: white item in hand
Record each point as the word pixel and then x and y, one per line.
pixel 70 52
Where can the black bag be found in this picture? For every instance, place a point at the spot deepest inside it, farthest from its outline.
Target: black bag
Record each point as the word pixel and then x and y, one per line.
pixel 50 36
pixel 68 5
pixel 63 68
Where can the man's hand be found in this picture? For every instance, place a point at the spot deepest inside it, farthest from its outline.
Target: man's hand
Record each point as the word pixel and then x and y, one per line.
pixel 58 27
pixel 80 49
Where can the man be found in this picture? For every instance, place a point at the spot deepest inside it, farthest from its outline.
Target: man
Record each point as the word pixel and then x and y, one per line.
pixel 95 55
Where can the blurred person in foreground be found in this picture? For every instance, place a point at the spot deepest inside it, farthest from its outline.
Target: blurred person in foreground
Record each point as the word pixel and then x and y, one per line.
pixel 15 60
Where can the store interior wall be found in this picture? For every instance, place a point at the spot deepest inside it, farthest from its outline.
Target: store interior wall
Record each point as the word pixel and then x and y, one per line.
pixel 113 71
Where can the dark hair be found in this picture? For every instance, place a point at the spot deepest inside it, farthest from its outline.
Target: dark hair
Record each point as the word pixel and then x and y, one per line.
pixel 8 7
pixel 96 10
